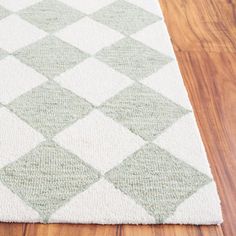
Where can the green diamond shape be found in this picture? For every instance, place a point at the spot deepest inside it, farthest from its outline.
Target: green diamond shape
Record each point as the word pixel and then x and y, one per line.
pixel 124 17
pixel 50 56
pixel 2 54
pixel 133 58
pixel 50 15
pixel 3 13
pixel 47 177
pixel 50 108
pixel 143 111
pixel 157 180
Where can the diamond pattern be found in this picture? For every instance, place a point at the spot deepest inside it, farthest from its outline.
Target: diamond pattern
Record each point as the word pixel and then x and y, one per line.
pixel 185 148
pixel 156 36
pixel 89 203
pixel 15 207
pixel 150 6
pixel 48 176
pixel 16 137
pixel 95 85
pixel 136 17
pixel 50 108
pixel 2 54
pixel 165 180
pixel 168 82
pixel 51 56
pixel 133 58
pixel 143 111
pixel 12 80
pixel 89 35
pixel 94 114
pixel 99 134
pixel 88 6
pixel 3 12
pixel 24 32
pixel 47 15
pixel 14 5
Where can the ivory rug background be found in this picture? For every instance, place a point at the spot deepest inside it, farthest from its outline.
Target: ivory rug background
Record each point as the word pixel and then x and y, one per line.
pixel 95 123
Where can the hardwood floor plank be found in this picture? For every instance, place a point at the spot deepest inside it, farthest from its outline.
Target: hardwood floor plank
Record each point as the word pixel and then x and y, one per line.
pixel 212 91
pixel 169 230
pixel 202 25
pixel 70 229
pixel 7 229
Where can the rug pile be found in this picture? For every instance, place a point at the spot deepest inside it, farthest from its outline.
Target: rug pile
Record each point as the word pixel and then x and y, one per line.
pixel 95 122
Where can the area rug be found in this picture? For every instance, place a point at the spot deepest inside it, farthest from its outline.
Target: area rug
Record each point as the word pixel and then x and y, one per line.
pixel 95 122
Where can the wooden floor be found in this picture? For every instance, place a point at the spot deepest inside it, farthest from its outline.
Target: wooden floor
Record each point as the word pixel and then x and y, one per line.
pixel 203 33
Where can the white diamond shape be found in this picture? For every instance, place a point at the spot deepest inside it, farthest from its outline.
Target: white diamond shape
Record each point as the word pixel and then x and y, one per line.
pixel 14 5
pixel 88 6
pixel 16 137
pixel 16 79
pixel 16 33
pixel 97 202
pixel 168 82
pixel 183 140
pixel 99 141
pixel 203 207
pixel 89 35
pixel 156 36
pixel 94 81
pixel 15 209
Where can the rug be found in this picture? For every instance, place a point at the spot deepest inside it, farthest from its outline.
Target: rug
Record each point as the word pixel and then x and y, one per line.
pixel 95 122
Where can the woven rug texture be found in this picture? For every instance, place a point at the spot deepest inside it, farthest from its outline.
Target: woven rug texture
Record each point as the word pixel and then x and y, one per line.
pixel 95 121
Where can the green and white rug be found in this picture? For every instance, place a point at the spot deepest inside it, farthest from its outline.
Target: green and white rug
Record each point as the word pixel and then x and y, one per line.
pixel 95 122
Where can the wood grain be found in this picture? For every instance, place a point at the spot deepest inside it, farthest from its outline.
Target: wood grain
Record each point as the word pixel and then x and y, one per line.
pixel 203 33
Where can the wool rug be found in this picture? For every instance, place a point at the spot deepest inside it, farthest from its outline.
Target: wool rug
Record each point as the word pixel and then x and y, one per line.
pixel 95 122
